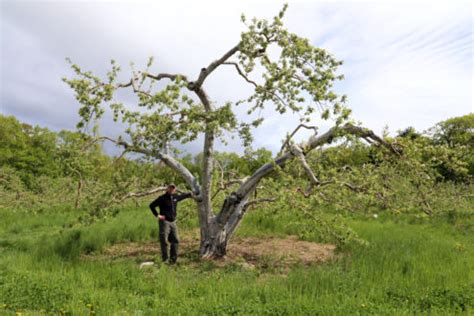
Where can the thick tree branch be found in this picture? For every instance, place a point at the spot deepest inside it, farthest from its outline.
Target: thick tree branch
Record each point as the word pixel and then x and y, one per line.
pixel 168 160
pixel 205 72
pixel 204 99
pixel 313 142
pixel 207 154
pixel 297 152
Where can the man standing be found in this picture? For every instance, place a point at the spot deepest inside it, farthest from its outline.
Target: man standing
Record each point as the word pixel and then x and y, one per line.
pixel 168 230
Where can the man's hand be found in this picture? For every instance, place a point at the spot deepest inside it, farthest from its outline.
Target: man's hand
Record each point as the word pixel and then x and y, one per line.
pixel 161 217
pixel 195 196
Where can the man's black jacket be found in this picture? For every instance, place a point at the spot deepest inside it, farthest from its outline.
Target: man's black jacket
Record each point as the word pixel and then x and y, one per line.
pixel 167 204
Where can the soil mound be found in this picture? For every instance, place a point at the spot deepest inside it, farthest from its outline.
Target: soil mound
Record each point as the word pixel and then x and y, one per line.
pixel 271 253
pixel 290 250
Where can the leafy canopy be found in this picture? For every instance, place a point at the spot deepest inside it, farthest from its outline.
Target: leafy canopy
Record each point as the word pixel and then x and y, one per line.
pixel 284 69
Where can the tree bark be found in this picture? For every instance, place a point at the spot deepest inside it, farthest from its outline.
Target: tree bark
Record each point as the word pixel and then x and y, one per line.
pixel 215 238
pixel 213 242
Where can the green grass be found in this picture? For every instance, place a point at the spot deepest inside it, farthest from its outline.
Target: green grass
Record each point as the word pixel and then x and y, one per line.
pixel 410 266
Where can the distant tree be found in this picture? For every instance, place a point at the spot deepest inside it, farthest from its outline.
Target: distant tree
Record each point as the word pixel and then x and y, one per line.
pixel 77 160
pixel 455 131
pixel 283 69
pixel 457 134
pixel 30 150
pixel 409 132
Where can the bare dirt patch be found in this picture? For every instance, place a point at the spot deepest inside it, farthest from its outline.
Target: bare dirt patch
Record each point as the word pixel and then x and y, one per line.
pixel 267 253
pixel 289 250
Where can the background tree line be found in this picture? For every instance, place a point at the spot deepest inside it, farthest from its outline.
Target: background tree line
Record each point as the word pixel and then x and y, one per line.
pixel 40 168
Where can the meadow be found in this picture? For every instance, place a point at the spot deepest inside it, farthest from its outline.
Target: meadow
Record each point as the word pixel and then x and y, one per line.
pixel 329 213
pixel 387 235
pixel 409 265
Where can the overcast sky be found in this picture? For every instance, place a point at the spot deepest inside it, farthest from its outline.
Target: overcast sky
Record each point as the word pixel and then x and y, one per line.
pixel 405 63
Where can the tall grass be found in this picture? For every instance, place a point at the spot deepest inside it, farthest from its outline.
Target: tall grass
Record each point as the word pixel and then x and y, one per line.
pixel 408 267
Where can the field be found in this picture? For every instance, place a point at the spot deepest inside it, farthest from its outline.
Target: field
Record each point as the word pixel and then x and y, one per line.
pixel 410 265
pixel 339 196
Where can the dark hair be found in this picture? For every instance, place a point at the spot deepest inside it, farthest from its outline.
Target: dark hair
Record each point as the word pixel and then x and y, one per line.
pixel 171 186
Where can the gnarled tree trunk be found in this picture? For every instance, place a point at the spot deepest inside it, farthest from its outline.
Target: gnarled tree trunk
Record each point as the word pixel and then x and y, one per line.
pixel 215 235
pixel 214 243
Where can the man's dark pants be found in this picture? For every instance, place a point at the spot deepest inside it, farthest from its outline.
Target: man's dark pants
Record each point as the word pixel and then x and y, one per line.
pixel 168 231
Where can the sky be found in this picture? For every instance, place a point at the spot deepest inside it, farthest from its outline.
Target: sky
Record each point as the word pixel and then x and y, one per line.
pixel 406 63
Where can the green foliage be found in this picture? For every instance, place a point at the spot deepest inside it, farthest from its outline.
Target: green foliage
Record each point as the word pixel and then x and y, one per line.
pixel 301 71
pixel 458 135
pixel 447 153
pixel 455 131
pixel 77 157
pixel 40 168
pixel 409 132
pixel 169 113
pixel 163 116
pixel 29 150
pixel 306 218
pixel 238 166
pixel 359 178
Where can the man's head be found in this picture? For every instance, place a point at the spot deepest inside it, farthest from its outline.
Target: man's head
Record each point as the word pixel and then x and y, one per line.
pixel 171 189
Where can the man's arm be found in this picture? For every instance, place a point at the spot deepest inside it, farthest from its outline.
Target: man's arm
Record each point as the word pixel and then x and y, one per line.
pixel 153 206
pixel 183 196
